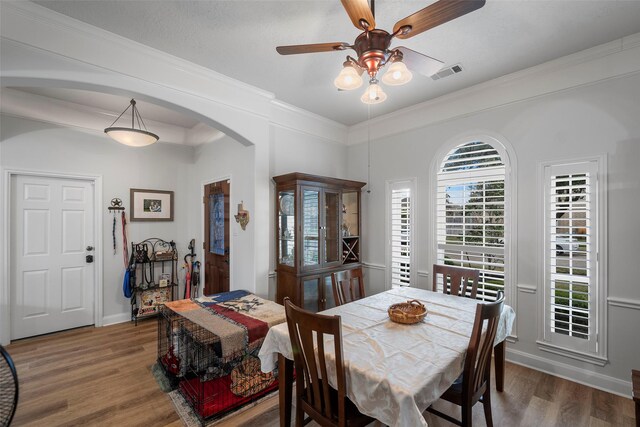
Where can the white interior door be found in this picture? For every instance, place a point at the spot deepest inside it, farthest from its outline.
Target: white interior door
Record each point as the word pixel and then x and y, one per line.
pixel 52 232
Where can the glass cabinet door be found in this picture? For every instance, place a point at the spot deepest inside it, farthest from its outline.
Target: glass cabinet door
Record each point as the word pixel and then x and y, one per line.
pixel 286 227
pixel 331 235
pixel 310 227
pixel 350 214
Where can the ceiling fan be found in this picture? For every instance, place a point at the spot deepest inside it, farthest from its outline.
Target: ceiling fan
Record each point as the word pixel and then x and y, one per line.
pixel 373 45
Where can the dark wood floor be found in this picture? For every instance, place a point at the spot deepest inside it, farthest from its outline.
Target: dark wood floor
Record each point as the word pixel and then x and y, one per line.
pixel 101 376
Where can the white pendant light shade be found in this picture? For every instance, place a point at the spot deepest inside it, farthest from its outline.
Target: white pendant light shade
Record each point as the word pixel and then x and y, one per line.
pixel 131 136
pixel 348 79
pixel 374 93
pixel 397 74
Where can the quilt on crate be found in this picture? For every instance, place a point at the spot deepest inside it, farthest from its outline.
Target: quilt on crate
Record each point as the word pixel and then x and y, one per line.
pixel 210 346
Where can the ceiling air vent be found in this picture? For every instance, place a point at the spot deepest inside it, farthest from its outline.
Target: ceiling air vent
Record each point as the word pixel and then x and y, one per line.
pixel 445 72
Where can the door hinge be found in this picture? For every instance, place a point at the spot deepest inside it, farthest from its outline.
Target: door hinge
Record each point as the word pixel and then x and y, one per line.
pixel 203 247
pixel 204 199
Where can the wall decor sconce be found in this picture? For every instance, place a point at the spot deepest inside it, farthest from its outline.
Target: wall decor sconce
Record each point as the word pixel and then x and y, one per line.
pixel 242 216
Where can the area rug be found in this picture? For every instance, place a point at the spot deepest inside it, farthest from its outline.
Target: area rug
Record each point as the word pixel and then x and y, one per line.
pixel 161 378
pixel 189 419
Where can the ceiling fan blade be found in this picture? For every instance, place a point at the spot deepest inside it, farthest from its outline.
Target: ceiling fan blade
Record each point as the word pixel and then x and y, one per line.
pixel 311 48
pixel 435 14
pixel 359 10
pixel 419 62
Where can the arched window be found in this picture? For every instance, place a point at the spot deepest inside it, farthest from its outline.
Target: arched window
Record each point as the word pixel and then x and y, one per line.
pixel 470 213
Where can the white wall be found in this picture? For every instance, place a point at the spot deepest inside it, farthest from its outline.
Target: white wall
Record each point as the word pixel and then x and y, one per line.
pixel 36 146
pixel 43 49
pixel 225 159
pixel 594 119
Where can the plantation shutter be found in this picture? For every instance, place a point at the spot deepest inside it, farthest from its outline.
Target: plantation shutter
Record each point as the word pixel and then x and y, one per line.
pixel 400 237
pixel 471 214
pixel 571 258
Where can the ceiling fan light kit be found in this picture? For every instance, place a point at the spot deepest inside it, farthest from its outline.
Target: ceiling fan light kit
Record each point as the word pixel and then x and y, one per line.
pixel 397 74
pixel 349 77
pixel 131 136
pixel 373 45
pixel 374 93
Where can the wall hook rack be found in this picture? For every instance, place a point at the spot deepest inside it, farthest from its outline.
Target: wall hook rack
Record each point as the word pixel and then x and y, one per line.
pixel 116 205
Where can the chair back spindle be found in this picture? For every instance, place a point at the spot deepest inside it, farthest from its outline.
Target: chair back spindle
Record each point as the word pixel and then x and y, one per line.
pixel 476 377
pixel 459 281
pixel 348 285
pixel 309 332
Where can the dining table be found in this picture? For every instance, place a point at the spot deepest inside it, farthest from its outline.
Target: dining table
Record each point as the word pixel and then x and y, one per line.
pixel 394 371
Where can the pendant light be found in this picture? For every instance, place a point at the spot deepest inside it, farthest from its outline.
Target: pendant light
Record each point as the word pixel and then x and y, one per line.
pixel 131 136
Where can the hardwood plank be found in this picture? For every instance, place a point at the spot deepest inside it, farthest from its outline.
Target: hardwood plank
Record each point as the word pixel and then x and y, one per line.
pixel 101 376
pixel 604 407
pixel 573 410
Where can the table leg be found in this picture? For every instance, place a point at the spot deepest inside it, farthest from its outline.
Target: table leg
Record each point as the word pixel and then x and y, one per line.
pixel 285 386
pixel 499 354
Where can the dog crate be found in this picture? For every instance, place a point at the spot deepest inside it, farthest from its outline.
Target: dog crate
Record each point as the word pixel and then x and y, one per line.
pixel 213 385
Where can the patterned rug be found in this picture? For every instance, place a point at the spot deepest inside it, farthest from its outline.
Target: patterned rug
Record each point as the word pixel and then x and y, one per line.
pixel 189 419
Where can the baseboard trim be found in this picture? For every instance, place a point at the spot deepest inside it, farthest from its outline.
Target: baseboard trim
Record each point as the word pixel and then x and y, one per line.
pixel 116 318
pixel 571 373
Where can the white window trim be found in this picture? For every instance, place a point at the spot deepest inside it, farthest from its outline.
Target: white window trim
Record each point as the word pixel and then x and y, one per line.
pixel 412 184
pixel 600 357
pixel 504 148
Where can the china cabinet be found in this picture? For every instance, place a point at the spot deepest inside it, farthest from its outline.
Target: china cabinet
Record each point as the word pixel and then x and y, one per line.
pixel 317 233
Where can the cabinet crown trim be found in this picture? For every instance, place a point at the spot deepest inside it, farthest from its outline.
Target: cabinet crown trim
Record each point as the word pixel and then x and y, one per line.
pixel 299 177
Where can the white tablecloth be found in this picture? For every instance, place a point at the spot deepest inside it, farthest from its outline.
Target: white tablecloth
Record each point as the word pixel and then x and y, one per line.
pixel 394 371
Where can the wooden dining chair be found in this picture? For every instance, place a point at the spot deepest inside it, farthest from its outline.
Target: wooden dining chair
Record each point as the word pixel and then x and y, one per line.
pixel 474 383
pixel 314 396
pixel 456 280
pixel 347 285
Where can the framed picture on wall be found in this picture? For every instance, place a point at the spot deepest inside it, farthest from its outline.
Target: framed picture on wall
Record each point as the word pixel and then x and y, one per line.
pixel 151 205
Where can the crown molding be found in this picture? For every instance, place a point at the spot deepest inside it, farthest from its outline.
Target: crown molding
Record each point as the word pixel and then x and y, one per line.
pixel 307 114
pixel 543 79
pixel 20 20
pixel 78 28
pixel 290 117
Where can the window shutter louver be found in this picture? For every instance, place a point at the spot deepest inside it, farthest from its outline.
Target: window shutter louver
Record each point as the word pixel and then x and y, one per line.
pixel 400 237
pixel 470 211
pixel 570 278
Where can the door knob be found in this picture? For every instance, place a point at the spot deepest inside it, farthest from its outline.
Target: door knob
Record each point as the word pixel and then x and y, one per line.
pixel 89 248
pixel 89 259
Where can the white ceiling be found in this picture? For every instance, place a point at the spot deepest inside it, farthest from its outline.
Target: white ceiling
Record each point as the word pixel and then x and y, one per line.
pixel 238 39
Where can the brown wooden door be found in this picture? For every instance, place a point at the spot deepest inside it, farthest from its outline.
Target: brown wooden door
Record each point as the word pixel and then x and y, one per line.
pixel 216 232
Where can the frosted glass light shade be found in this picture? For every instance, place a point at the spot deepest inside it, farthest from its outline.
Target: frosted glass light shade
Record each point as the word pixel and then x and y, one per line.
pixel 348 79
pixel 374 94
pixel 397 74
pixel 131 137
